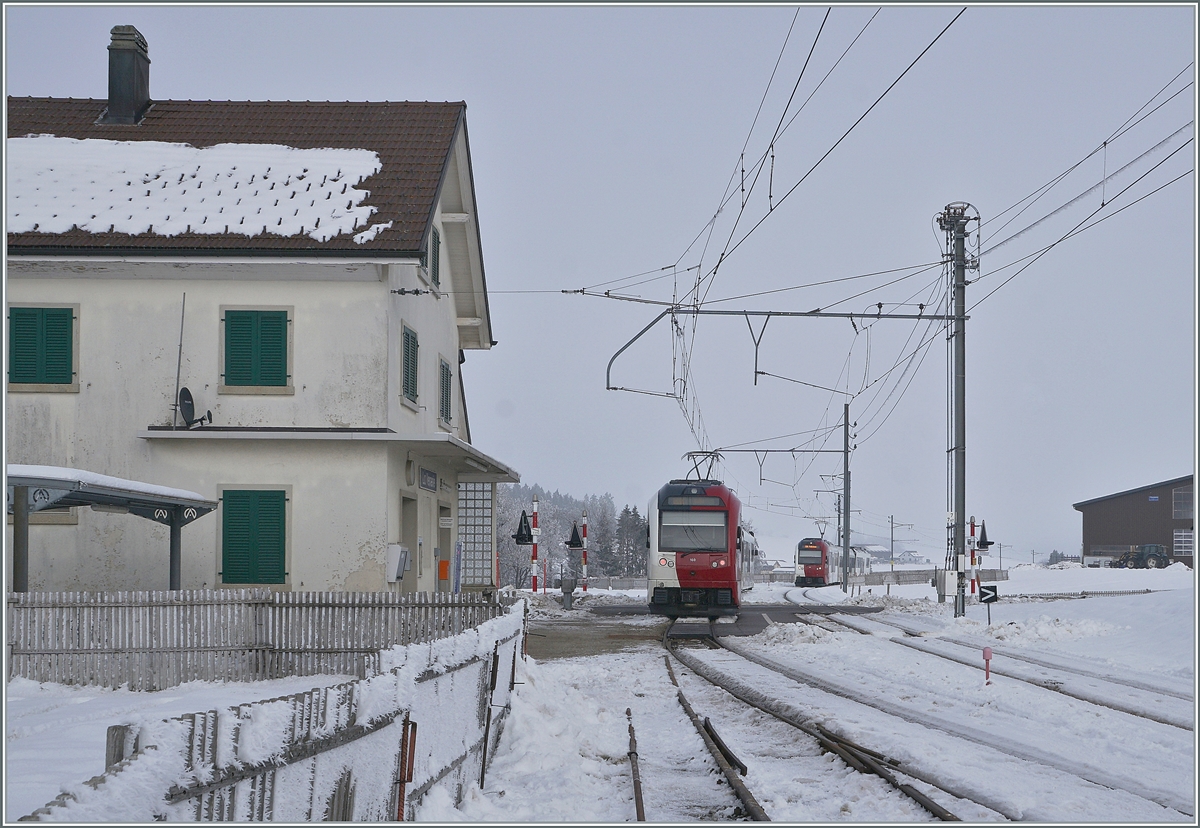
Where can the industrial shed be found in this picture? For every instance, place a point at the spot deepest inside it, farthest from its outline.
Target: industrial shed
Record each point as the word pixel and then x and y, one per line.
pixel 1159 513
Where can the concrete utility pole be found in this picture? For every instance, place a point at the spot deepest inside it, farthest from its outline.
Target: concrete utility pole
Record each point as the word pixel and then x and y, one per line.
pixel 846 496
pixel 953 221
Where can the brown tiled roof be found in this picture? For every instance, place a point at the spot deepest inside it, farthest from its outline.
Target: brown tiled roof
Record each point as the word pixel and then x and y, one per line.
pixel 413 141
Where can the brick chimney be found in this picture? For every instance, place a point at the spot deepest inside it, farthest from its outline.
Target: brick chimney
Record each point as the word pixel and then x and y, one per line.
pixel 128 77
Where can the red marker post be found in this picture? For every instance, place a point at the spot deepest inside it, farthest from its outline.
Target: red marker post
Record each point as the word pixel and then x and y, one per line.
pixel 987 665
pixel 585 550
pixel 533 562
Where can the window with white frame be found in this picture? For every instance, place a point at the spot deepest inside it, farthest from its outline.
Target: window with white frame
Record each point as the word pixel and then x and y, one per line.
pixel 1181 503
pixel 475 504
pixel 1183 543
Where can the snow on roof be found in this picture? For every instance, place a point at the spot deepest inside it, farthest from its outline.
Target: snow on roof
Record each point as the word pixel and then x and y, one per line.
pixel 55 184
pixel 87 478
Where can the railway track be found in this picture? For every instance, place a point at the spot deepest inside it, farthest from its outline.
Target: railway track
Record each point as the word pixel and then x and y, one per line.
pixel 1152 702
pixel 854 755
pixel 1090 770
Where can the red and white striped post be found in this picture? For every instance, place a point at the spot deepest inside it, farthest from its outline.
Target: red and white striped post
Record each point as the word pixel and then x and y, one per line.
pixel 987 664
pixel 533 561
pixel 585 550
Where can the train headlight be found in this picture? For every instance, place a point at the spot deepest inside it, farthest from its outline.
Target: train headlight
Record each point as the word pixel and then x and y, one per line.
pixel 662 561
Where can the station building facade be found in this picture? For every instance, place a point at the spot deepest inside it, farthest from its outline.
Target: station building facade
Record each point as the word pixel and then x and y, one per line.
pixel 312 274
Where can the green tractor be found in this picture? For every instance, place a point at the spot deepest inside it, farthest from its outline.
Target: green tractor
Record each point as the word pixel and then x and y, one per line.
pixel 1146 556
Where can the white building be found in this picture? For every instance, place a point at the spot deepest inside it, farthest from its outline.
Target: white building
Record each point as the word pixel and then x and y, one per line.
pixel 330 258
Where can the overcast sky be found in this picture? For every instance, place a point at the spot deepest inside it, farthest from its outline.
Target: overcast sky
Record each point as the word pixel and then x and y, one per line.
pixel 604 140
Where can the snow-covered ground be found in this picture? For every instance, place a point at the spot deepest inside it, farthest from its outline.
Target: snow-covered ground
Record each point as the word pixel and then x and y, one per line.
pixel 54 734
pixel 563 755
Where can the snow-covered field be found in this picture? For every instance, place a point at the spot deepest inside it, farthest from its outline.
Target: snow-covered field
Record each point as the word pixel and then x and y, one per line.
pixel 563 752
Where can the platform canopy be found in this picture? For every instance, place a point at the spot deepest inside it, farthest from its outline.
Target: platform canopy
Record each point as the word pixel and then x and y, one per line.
pixel 45 487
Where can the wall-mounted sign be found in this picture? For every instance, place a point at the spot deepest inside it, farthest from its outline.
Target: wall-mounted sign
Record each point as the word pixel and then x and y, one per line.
pixel 428 480
pixel 445 523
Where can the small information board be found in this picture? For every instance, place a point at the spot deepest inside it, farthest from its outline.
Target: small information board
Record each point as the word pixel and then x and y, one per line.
pixel 988 594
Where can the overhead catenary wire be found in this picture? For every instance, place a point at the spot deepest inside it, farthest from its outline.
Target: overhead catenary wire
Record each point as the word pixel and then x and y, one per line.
pixel 1117 133
pixel 903 371
pixel 1089 191
pixel 762 159
pixel 1073 230
pixel 731 249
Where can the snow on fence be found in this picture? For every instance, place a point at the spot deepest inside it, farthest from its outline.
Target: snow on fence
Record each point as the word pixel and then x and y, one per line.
pixel 363 751
pixel 155 640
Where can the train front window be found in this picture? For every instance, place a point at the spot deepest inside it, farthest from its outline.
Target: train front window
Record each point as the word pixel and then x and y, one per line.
pixel 693 532
pixel 808 556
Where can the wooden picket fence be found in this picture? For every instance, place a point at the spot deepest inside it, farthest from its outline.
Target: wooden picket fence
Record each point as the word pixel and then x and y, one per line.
pixel 155 640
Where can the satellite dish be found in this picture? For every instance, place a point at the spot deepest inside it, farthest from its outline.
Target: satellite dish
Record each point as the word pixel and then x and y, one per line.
pixel 187 408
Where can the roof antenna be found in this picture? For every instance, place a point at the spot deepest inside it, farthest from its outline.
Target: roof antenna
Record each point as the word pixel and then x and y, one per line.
pixel 178 365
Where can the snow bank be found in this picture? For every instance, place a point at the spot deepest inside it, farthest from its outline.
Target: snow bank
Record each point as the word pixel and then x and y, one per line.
pixel 1044 628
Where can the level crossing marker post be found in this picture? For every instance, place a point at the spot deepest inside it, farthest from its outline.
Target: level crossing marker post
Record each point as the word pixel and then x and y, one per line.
pixel 533 561
pixel 585 550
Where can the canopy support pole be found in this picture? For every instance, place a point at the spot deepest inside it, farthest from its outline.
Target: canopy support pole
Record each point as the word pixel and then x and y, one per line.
pixel 20 574
pixel 176 546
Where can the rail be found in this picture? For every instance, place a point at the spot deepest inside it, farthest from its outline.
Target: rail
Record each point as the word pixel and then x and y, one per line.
pixel 854 755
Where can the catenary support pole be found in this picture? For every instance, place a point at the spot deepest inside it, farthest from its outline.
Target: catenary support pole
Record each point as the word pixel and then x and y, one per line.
pixel 953 221
pixel 585 550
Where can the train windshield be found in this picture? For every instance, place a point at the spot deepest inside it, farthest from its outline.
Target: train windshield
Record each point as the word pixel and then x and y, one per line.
pixel 808 554
pixel 693 532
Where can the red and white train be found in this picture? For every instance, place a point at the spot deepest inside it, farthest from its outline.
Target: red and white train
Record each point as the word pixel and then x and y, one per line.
pixel 819 564
pixel 701 558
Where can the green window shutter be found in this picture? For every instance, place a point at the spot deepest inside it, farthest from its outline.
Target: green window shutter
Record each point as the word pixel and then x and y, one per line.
pixel 272 348
pixel 23 344
pixel 435 246
pixel 41 345
pixel 239 347
pixel 58 347
pixel 255 347
pixel 445 397
pixel 410 364
pixel 270 551
pixel 253 537
pixel 236 552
